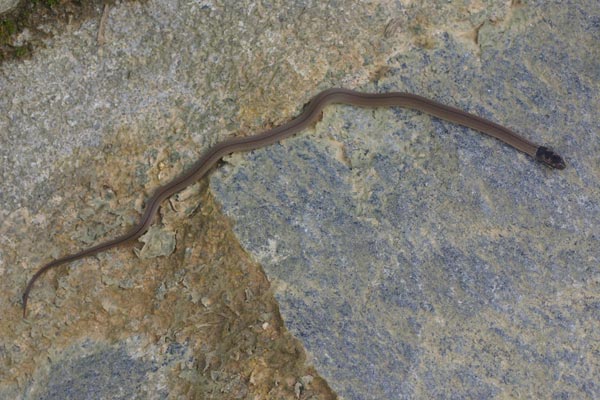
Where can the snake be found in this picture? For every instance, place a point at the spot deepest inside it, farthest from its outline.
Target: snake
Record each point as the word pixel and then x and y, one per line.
pixel 310 114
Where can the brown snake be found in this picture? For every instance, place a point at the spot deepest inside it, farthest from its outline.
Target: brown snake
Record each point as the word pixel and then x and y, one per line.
pixel 309 115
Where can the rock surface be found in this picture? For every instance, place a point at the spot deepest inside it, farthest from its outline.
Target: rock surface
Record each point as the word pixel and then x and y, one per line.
pixel 418 259
pixel 412 258
pixel 7 5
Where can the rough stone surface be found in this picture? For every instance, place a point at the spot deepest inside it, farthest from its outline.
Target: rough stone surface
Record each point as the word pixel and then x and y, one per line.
pixel 7 5
pixel 418 259
pixel 412 258
pixel 86 371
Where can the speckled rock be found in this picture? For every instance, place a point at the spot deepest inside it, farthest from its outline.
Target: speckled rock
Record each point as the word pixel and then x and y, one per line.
pixel 418 259
pixel 410 257
pixel 87 370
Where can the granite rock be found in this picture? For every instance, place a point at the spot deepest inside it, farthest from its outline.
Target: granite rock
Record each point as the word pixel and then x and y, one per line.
pixel 410 257
pixel 418 259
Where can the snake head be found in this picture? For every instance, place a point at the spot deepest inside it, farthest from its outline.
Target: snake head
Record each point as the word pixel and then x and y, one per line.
pixel 550 158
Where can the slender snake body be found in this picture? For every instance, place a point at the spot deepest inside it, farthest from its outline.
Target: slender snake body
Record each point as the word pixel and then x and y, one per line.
pixel 309 115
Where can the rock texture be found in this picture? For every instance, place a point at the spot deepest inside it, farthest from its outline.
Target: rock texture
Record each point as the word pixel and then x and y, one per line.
pixel 418 259
pixel 7 5
pixel 410 258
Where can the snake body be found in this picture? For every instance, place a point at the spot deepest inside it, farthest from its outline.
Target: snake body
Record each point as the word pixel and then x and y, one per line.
pixel 309 115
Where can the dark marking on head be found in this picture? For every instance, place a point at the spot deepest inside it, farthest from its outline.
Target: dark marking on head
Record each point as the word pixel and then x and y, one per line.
pixel 550 158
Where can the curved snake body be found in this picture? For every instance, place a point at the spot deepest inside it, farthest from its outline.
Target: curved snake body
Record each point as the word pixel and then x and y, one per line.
pixel 310 114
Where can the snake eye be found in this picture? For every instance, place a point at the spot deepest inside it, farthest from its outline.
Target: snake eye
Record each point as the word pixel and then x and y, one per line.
pixel 550 158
